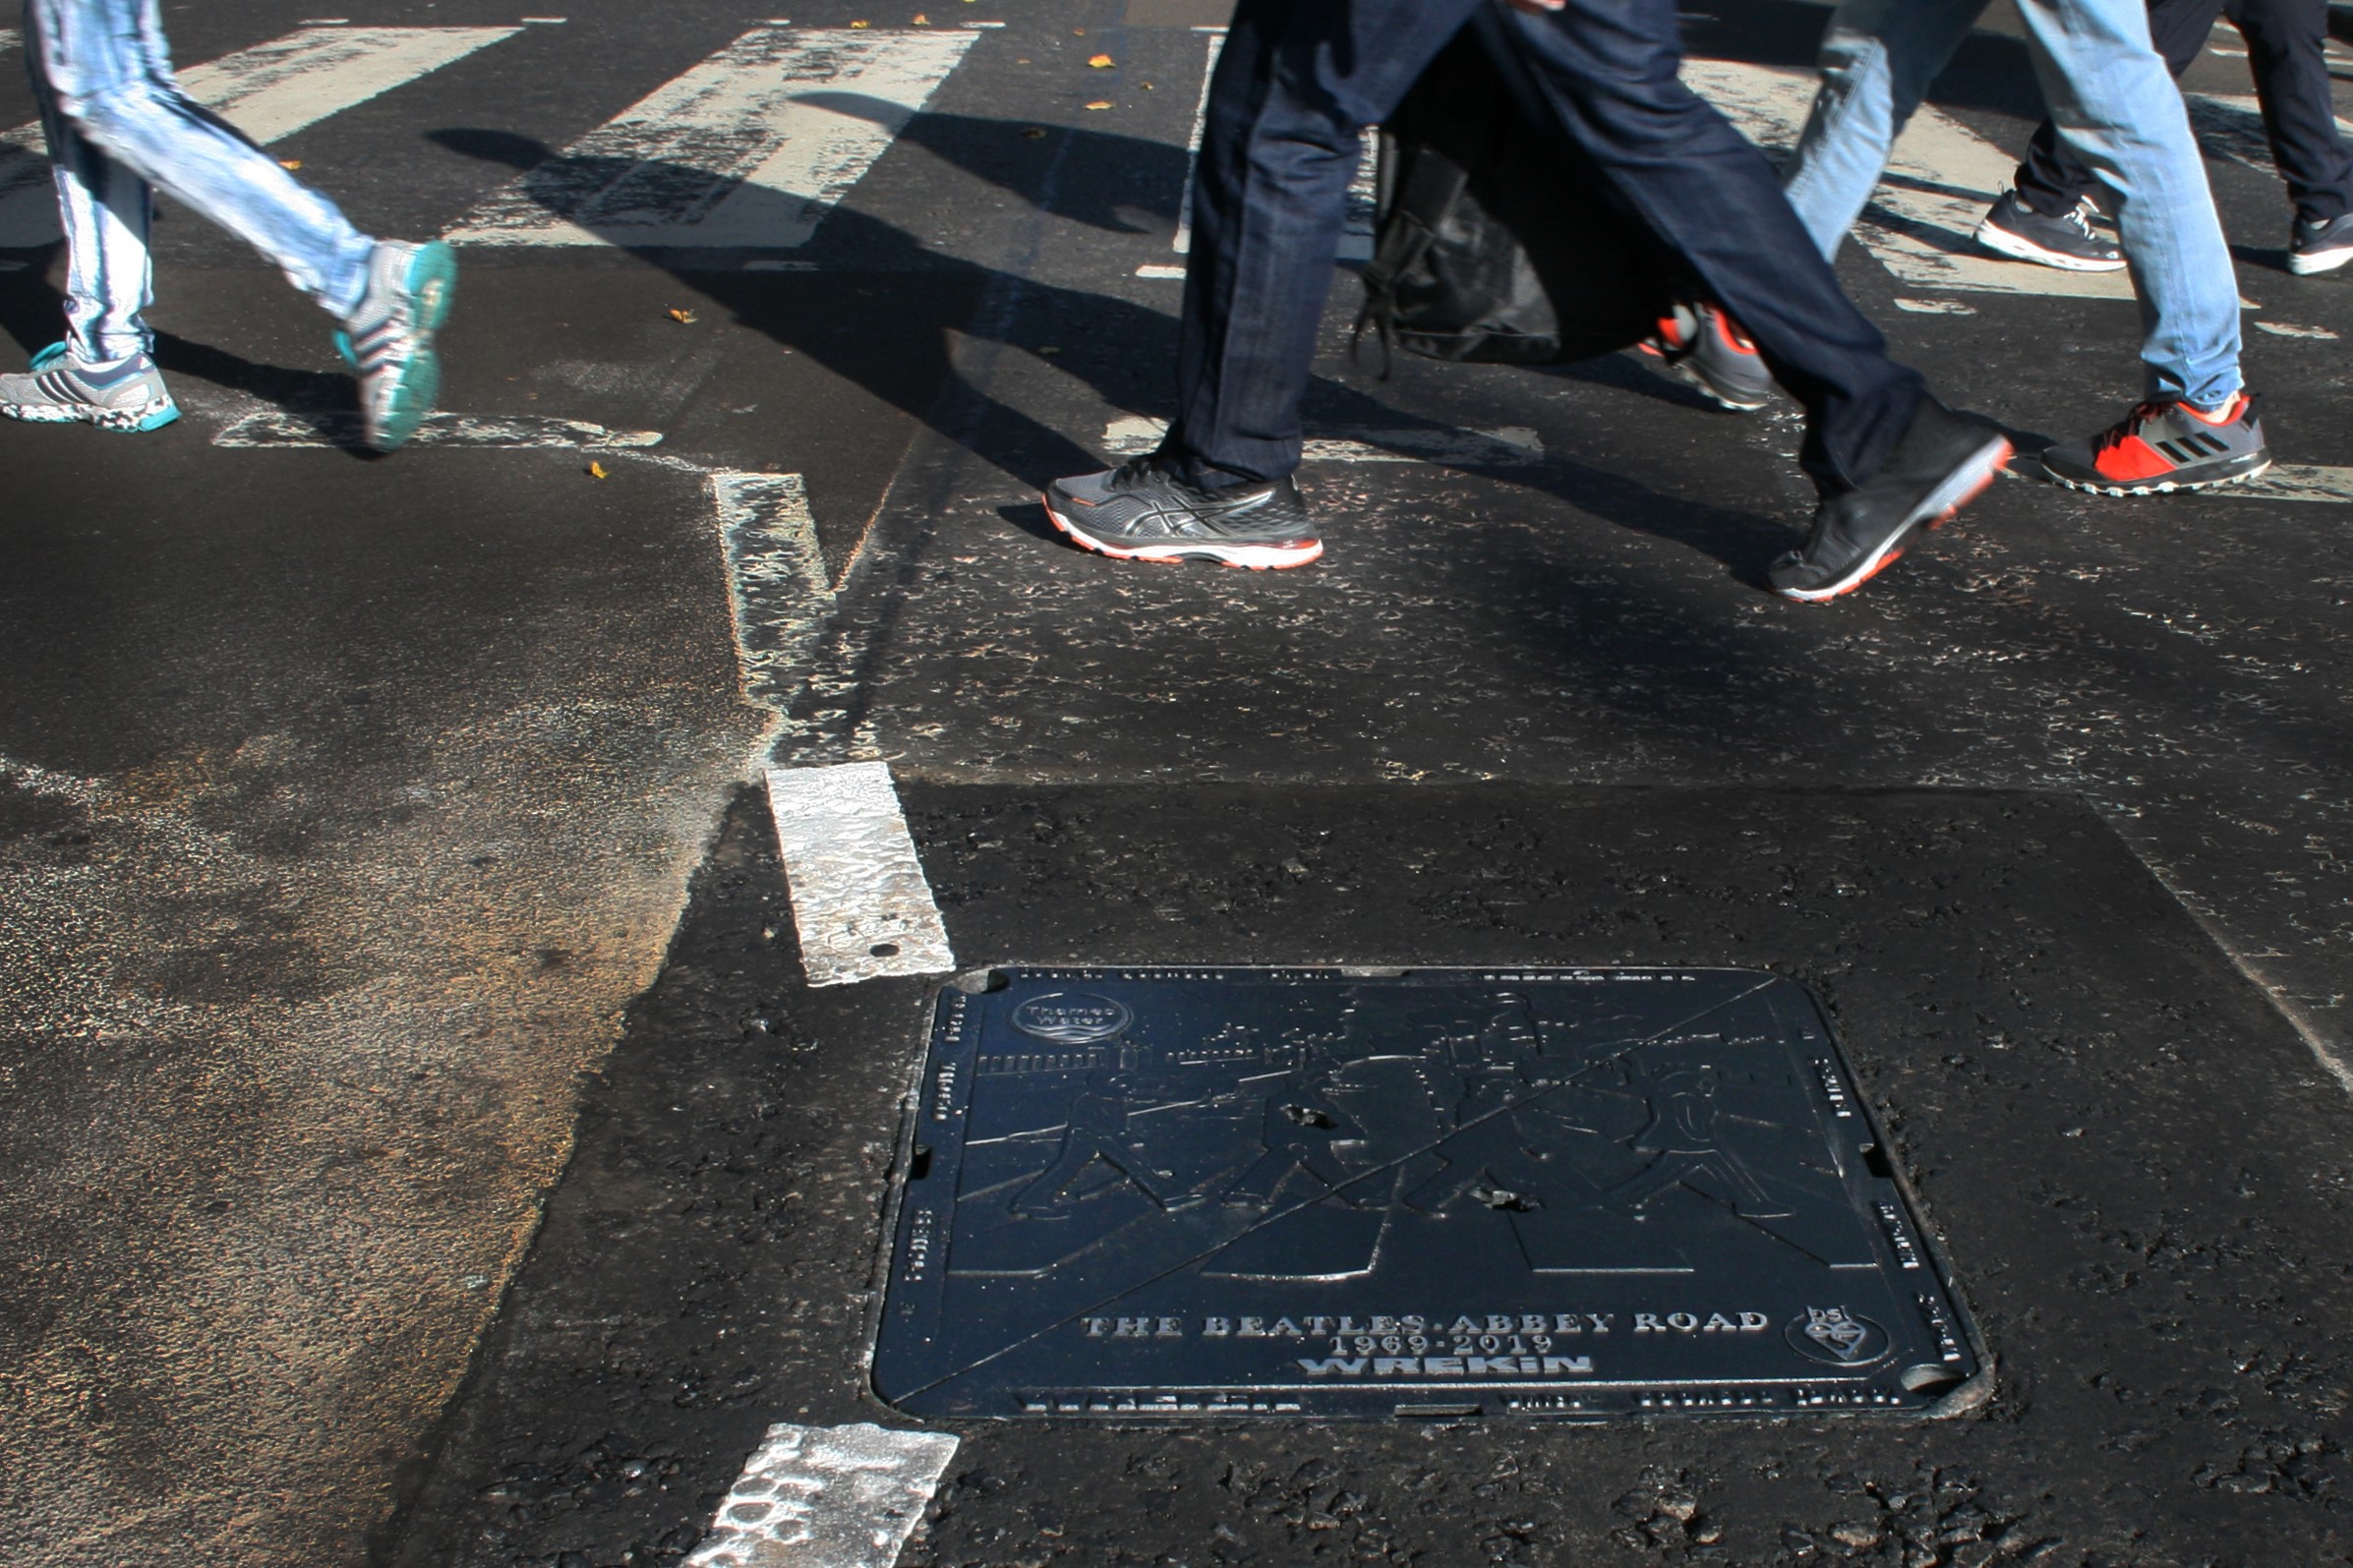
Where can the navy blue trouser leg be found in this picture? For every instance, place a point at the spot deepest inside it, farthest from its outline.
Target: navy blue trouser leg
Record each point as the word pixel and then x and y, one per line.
pixel 1300 79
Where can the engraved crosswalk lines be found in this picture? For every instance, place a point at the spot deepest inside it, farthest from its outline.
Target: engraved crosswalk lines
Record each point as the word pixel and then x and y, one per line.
pixel 751 147
pixel 268 92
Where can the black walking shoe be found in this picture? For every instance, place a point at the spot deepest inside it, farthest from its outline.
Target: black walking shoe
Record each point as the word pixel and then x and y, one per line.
pixel 1136 513
pixel 1940 463
pixel 2166 447
pixel 2320 247
pixel 2016 230
pixel 1707 348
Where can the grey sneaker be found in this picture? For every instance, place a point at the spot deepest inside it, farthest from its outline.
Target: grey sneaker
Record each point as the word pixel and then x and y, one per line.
pixel 2016 230
pixel 390 341
pixel 126 395
pixel 2320 247
pixel 1136 513
pixel 1707 348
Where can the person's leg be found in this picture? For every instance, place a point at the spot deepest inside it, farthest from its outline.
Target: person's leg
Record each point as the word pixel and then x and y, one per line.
pixel 2285 42
pixel 1296 83
pixel 1877 59
pixel 2119 112
pixel 2050 181
pixel 106 210
pixel 105 64
pixel 1605 71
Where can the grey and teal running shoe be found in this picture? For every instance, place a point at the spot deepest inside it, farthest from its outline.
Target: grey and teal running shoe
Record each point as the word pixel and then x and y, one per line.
pixel 1136 513
pixel 126 395
pixel 390 341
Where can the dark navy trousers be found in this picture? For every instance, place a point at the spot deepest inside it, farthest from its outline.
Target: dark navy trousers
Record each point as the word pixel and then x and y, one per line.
pixel 2285 45
pixel 1298 82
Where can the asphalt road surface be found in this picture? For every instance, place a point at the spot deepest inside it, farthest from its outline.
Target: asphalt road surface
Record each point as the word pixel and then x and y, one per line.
pixel 421 1142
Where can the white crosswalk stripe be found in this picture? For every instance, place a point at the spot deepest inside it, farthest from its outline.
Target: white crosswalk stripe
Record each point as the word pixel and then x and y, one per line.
pixel 268 92
pixel 1939 182
pixel 752 147
pixel 2230 127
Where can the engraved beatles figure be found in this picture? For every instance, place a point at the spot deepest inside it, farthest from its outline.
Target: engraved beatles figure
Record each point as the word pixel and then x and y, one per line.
pixel 1682 1134
pixel 1095 1128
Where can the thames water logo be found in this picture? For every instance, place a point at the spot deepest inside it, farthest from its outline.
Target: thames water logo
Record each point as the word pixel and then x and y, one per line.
pixel 1835 1335
pixel 1073 1017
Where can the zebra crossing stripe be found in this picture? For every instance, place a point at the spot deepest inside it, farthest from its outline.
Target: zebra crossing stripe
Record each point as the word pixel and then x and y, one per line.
pixel 1513 446
pixel 268 92
pixel 1940 179
pixel 1356 239
pixel 752 147
pixel 2230 127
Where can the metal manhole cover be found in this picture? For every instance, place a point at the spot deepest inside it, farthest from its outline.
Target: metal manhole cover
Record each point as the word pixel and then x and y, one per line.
pixel 1563 1193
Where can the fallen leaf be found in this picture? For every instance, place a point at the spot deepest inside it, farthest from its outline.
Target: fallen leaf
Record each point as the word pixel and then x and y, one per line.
pixel 1035 133
pixel 1100 104
pixel 1078 32
pixel 289 163
pixel 860 23
pixel 597 471
pixel 682 317
pixel 921 21
pixel 1103 62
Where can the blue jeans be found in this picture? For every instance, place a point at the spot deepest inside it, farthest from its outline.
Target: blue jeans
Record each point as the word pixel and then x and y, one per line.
pixel 1299 80
pixel 118 128
pixel 2117 111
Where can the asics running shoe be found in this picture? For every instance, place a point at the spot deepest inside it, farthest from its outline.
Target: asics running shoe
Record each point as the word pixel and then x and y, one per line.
pixel 1940 464
pixel 128 395
pixel 389 337
pixel 2166 447
pixel 1707 348
pixel 2016 230
pixel 1137 512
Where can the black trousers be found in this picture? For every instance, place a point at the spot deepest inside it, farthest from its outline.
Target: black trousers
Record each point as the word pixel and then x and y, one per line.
pixel 2284 49
pixel 1297 81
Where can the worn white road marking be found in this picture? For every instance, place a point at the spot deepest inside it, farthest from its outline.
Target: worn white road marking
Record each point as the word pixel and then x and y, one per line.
pixel 1356 240
pixel 2293 482
pixel 1159 270
pixel 776 578
pixel 2290 329
pixel 1940 179
pixel 860 896
pixel 2230 127
pixel 826 1497
pixel 754 147
pixel 1513 445
pixel 1934 307
pixel 268 92
pixel 282 429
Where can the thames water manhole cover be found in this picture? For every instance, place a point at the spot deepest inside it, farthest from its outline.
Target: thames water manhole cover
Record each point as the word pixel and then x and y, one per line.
pixel 1559 1193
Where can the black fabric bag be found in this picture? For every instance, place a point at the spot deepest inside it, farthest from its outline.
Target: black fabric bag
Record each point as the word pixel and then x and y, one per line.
pixel 1498 242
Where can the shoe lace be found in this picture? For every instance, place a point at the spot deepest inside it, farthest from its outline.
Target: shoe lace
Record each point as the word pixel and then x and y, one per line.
pixel 2079 217
pixel 2129 427
pixel 1132 472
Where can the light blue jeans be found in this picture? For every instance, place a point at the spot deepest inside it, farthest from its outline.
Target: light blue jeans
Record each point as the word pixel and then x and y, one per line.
pixel 2116 108
pixel 119 127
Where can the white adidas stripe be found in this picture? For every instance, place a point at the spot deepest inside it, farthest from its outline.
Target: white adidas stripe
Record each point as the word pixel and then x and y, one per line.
pixel 1940 179
pixel 268 92
pixel 751 147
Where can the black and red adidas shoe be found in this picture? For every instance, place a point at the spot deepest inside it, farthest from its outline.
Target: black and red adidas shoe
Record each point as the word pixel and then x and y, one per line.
pixel 1707 348
pixel 2166 447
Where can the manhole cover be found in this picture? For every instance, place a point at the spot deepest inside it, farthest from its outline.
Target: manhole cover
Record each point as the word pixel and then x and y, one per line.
pixel 1563 1193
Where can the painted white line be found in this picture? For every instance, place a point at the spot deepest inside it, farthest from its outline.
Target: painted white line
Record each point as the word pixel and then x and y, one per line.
pixel 289 429
pixel 1935 306
pixel 268 92
pixel 2293 482
pixel 1940 179
pixel 826 1497
pixel 2230 127
pixel 1513 446
pixel 8 37
pixel 860 896
pixel 2289 330
pixel 1160 270
pixel 1356 240
pixel 754 147
pixel 775 579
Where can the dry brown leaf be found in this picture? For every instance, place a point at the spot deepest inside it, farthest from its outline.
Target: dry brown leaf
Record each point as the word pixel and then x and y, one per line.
pixel 1101 62
pixel 682 317
pixel 1100 104
pixel 597 471
pixel 920 21
pixel 289 163
pixel 861 24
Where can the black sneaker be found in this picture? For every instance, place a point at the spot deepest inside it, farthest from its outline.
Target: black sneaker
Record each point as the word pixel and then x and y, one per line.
pixel 2014 229
pixel 2320 247
pixel 1707 348
pixel 1940 463
pixel 2166 447
pixel 1136 513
